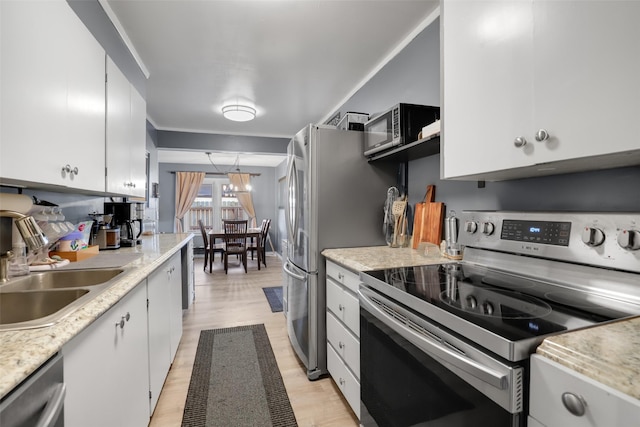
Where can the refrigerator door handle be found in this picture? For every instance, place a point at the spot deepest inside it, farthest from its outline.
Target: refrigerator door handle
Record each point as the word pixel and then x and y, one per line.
pixel 292 207
pixel 292 273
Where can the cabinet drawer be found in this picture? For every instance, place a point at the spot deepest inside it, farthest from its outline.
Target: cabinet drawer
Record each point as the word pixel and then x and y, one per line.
pixel 346 345
pixel 604 405
pixel 344 305
pixel 348 384
pixel 344 276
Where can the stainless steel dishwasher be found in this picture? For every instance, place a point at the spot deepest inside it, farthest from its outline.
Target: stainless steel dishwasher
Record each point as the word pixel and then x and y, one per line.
pixel 39 401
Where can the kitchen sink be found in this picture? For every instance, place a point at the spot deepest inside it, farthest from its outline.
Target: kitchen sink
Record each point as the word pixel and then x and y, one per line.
pixel 18 307
pixel 43 299
pixel 61 279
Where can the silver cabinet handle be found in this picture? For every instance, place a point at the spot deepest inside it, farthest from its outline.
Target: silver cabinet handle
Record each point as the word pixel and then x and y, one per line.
pixel 520 141
pixel 67 169
pixel 120 323
pixel 53 409
pixel 542 135
pixel 574 403
pixel 127 316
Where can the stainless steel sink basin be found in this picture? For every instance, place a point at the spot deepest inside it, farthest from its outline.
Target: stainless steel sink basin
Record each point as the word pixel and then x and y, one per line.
pixel 42 299
pixel 61 279
pixel 18 307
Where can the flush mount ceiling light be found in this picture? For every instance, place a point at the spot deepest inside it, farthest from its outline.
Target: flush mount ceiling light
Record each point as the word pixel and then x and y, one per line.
pixel 238 113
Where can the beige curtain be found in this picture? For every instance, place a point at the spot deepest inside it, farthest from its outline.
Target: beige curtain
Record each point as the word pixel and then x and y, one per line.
pixel 187 186
pixel 241 181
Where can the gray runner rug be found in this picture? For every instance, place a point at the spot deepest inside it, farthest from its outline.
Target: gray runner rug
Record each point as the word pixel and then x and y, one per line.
pixel 274 298
pixel 236 381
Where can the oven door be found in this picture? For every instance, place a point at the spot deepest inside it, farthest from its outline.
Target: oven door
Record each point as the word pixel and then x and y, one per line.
pixel 413 373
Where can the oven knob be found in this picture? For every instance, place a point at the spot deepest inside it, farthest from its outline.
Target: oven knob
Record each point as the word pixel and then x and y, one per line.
pixel 592 236
pixel 487 308
pixel 487 228
pixel 471 226
pixel 629 239
pixel 472 302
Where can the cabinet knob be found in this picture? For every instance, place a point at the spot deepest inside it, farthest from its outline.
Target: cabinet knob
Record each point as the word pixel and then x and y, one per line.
pixel 542 135
pixel 67 169
pixel 520 141
pixel 341 381
pixel 340 307
pixel 574 403
pixel 127 316
pixel 340 276
pixel 341 344
pixel 120 323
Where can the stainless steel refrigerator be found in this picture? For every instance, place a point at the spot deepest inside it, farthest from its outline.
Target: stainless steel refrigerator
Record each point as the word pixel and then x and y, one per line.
pixel 335 199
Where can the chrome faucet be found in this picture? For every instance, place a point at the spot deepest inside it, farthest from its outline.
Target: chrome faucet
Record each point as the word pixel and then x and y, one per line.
pixel 31 234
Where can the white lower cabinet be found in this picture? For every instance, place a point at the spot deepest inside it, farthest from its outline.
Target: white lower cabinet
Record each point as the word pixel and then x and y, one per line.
pixel 343 332
pixel 349 385
pixel 555 389
pixel 115 369
pixel 164 289
pixel 105 368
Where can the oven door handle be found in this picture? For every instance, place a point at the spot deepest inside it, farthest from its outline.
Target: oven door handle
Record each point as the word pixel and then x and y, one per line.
pixel 434 348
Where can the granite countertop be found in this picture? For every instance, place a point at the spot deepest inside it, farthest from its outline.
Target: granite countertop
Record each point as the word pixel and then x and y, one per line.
pixel 22 352
pixel 379 257
pixel 606 353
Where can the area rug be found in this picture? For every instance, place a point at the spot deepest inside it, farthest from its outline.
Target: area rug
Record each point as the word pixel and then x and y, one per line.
pixel 236 381
pixel 274 297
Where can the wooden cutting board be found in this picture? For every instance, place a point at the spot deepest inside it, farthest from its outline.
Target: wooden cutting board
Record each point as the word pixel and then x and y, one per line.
pixel 428 219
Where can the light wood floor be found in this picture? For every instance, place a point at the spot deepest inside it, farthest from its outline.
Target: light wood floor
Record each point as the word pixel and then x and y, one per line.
pixel 237 299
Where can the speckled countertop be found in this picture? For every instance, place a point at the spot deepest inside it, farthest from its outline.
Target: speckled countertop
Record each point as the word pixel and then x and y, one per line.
pixel 22 352
pixel 377 257
pixel 606 353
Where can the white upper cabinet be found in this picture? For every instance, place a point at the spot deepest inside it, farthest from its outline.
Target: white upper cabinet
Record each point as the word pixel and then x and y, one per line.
pixel 53 97
pixel 515 71
pixel 126 134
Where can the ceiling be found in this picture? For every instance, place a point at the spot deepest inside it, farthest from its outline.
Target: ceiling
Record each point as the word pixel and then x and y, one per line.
pixel 294 61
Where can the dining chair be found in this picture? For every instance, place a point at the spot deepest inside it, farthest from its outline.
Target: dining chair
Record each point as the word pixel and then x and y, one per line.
pixel 210 248
pixel 207 249
pixel 235 241
pixel 261 244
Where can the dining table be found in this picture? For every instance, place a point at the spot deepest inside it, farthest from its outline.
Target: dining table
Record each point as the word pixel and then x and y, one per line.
pixel 218 234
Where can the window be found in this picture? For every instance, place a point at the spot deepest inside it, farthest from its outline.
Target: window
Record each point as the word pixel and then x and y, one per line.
pixel 215 202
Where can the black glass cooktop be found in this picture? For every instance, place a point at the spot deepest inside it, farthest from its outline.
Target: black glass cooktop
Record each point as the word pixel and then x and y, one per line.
pixel 513 307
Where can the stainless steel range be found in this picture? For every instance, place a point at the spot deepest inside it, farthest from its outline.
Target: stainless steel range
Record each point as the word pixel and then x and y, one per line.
pixel 448 344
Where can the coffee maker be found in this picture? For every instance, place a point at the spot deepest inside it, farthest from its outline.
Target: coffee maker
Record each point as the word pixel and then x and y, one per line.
pixel 104 233
pixel 125 215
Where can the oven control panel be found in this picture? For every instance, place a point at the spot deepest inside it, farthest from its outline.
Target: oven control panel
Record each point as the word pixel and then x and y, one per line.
pixel 600 239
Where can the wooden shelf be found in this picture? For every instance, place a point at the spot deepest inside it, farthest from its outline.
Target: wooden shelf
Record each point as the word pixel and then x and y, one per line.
pixel 421 148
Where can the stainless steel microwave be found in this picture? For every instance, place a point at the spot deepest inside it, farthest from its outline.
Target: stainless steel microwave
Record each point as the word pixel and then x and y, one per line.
pixel 399 125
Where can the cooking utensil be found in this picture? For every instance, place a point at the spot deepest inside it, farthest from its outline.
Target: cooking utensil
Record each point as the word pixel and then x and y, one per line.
pixel 398 209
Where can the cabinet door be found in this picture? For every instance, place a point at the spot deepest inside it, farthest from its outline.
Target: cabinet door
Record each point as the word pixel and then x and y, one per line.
pixel 487 85
pixel 159 326
pixel 175 311
pixel 137 146
pixel 118 130
pixel 106 368
pixel 586 67
pixel 348 384
pixel 603 405
pixel 125 135
pixel 52 103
